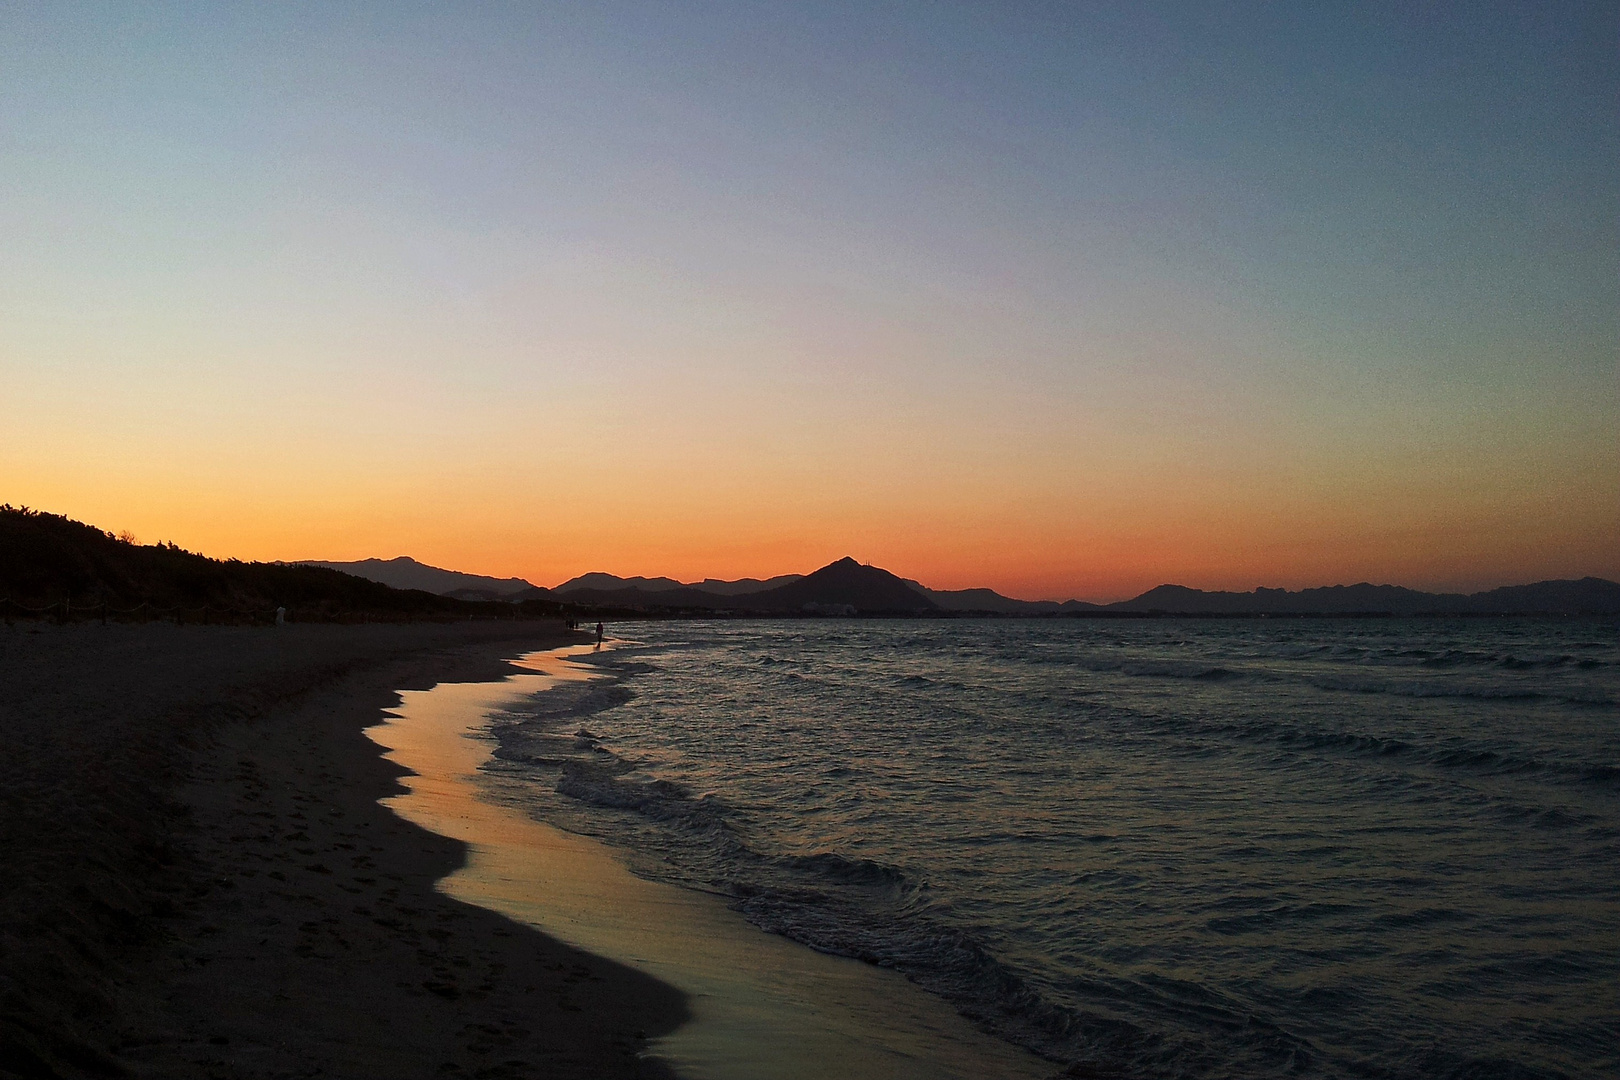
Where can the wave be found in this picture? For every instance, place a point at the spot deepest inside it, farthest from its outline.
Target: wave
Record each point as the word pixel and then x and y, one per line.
pixel 1101 1017
pixel 599 784
pixel 863 873
pixel 1362 674
pixel 1158 669
pixel 564 702
pixel 846 905
pixel 886 915
pixel 1450 755
pixel 1476 691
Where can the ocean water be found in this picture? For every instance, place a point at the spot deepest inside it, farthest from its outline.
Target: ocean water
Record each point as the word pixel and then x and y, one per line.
pixel 1156 848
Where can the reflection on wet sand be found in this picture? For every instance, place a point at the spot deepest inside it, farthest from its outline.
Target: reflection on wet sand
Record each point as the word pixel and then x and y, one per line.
pixel 762 1006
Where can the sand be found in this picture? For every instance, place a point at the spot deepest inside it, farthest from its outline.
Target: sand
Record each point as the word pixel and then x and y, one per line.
pixel 200 882
pixel 762 1005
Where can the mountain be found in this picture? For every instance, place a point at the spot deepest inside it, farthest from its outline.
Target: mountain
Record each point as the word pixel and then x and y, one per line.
pixel 988 600
pixel 843 587
pixel 599 582
pixel 747 585
pixel 1588 596
pixel 679 598
pixel 847 586
pixel 407 573
pixel 845 583
pixel 606 583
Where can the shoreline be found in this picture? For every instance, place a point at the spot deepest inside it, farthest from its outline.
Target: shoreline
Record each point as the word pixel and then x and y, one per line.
pixel 204 884
pixel 762 1004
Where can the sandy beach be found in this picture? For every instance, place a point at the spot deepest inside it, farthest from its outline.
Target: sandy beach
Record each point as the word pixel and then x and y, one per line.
pixel 761 1004
pixel 200 881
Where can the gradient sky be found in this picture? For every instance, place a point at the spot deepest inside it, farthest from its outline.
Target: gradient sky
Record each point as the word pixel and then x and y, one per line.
pixel 1067 299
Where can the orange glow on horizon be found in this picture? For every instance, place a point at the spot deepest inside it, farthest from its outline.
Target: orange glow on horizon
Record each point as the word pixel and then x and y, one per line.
pixel 1090 506
pixel 669 293
pixel 1085 557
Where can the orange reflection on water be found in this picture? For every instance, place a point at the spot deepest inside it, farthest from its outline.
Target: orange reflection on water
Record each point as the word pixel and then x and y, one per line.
pixel 762 1005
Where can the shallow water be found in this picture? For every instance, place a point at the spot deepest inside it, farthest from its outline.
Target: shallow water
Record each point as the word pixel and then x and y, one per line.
pixel 1162 848
pixel 761 1005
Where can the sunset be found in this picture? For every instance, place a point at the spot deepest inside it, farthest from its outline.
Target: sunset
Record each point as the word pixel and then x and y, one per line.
pixel 1065 303
pixel 814 540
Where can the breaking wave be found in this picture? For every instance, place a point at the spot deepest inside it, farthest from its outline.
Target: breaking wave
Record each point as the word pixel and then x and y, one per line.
pixel 1163 855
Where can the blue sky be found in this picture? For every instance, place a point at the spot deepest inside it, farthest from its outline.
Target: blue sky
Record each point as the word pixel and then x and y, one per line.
pixel 1061 297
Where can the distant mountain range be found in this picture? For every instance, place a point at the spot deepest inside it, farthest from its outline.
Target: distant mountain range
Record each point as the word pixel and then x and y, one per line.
pixel 610 583
pixel 407 573
pixel 845 586
pixel 849 587
pixel 1587 596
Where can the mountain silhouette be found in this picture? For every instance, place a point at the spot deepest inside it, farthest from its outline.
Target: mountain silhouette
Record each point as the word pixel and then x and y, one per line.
pixel 600 582
pixel 847 586
pixel 991 602
pixel 46 558
pixel 842 587
pixel 406 573
pixel 1588 596
pixel 845 583
pixel 747 585
pixel 606 583
pixel 679 598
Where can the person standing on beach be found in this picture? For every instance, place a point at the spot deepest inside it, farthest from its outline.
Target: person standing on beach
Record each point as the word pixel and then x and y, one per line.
pixel 599 635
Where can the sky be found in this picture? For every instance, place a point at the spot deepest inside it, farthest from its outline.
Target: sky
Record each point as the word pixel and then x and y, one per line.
pixel 1064 299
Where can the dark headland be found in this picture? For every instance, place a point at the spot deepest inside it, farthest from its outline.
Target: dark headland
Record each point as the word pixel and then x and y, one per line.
pixel 199 880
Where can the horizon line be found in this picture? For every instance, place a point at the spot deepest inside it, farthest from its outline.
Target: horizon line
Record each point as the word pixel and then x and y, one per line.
pixel 971 588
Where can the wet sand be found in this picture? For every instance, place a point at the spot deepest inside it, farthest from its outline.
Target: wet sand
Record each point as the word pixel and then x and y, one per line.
pixel 200 881
pixel 762 1006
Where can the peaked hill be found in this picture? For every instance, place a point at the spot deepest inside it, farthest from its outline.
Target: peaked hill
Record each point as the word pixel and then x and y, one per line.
pixel 847 583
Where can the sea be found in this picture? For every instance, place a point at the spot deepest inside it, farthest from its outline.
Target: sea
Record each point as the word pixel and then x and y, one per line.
pixel 1138 847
